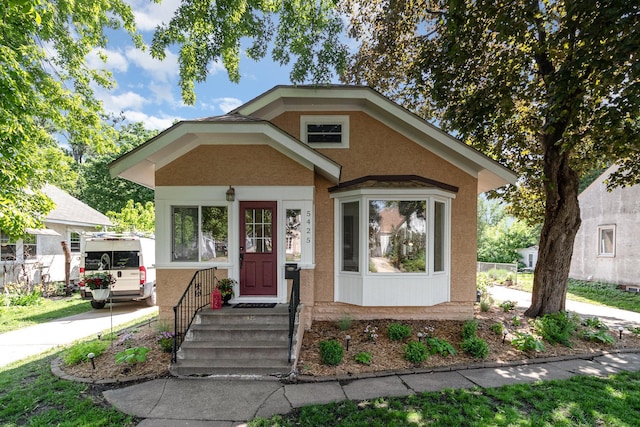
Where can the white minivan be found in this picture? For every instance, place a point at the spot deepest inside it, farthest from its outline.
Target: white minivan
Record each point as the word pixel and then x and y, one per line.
pixel 129 258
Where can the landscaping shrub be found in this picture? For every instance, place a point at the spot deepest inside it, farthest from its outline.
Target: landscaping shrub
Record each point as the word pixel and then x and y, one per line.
pixel 485 306
pixel 26 299
pixel 527 342
pixel 475 346
pixel 132 355
pixel 599 336
pixel 398 331
pixel 469 328
pixel 165 341
pixel 331 352
pixel 508 306
pixel 497 328
pixel 594 323
pixel 345 323
pixel 363 357
pixel 416 352
pixel 440 346
pixel 634 330
pixel 78 353
pixel 556 327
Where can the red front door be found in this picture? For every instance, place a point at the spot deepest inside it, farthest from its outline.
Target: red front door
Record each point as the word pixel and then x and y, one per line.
pixel 258 256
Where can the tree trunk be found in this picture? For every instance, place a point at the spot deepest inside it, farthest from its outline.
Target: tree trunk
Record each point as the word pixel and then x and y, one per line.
pixel 561 223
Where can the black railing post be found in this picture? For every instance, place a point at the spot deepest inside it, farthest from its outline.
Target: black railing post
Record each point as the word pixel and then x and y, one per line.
pixel 292 271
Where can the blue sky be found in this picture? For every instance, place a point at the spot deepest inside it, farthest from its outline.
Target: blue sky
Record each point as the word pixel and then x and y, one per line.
pixel 147 89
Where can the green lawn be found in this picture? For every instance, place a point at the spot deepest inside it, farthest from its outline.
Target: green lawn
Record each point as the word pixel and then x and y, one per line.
pixel 592 292
pixel 16 317
pixel 580 401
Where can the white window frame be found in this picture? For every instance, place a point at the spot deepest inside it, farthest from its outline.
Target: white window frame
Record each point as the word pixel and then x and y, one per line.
pixel 72 240
pixel 342 120
pixel 199 233
pixel 601 251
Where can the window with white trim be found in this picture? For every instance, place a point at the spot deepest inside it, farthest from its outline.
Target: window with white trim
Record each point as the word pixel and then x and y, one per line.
pixel 606 240
pixel 30 246
pixel 325 131
pixel 199 233
pixel 74 242
pixel 7 247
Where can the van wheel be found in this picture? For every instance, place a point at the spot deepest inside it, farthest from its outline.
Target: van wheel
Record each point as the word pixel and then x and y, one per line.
pixel 97 304
pixel 151 299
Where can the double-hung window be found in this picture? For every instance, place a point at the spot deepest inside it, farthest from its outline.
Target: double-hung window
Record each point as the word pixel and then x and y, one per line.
pixel 607 240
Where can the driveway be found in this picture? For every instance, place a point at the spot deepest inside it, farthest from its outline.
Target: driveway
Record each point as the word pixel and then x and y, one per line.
pixel 613 317
pixel 22 343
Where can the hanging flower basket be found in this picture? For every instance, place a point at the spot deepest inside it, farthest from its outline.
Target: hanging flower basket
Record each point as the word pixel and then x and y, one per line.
pixel 100 294
pixel 100 284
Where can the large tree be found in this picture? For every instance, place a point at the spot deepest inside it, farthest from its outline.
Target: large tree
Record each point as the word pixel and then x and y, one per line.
pixel 549 88
pixel 46 90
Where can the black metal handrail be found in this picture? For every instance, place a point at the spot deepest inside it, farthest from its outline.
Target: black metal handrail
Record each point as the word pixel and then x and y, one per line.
pixel 195 298
pixel 292 271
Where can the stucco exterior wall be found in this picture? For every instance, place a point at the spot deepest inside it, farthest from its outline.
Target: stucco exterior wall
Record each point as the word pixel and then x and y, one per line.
pixel 620 207
pixel 234 165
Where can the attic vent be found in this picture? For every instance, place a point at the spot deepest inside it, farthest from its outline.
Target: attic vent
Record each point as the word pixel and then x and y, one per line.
pixel 325 131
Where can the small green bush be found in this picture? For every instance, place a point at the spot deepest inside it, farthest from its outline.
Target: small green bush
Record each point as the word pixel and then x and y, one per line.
pixel 508 306
pixel 78 353
pixel 556 327
pixel 26 299
pixel 477 347
pixel 527 342
pixel 497 328
pixel 331 352
pixel 634 330
pixel 485 306
pixel 363 357
pixel 594 323
pixel 416 352
pixel 469 328
pixel 440 346
pixel 599 336
pixel 516 321
pixel 132 355
pixel 345 323
pixel 398 331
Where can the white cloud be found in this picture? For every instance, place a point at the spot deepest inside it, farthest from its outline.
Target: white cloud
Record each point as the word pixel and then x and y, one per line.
pixel 150 122
pixel 162 94
pixel 149 14
pixel 115 61
pixel 127 100
pixel 163 71
pixel 227 104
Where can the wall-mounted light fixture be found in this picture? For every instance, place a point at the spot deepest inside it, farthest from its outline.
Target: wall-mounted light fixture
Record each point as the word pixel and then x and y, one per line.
pixel 231 194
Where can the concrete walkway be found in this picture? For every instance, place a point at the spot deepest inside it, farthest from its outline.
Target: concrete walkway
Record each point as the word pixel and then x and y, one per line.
pixel 31 341
pixel 613 317
pixel 200 402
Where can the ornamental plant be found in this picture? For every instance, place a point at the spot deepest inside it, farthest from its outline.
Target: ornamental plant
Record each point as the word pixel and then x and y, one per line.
pixel 165 341
pixel 99 280
pixel 416 352
pixel 398 331
pixel 331 352
pixel 132 355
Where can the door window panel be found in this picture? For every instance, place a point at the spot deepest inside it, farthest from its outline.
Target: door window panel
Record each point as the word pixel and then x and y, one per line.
pixel 258 229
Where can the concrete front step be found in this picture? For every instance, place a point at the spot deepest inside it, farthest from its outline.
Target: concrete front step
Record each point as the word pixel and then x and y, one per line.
pixel 242 333
pixel 228 367
pixel 245 316
pixel 233 350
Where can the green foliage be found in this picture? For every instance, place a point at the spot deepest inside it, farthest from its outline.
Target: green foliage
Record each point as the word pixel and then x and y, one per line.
pixel 440 346
pixel 516 321
pixel 132 355
pixel 527 342
pixel 594 323
pixel 416 352
pixel 507 306
pixel 469 328
pixel 634 330
pixel 206 34
pixel 78 352
pixel 364 358
pixel 46 89
pixel 556 327
pixel 165 341
pixel 26 298
pixel 134 217
pixel 398 331
pixel 476 347
pixel 497 328
pixel 599 336
pixel 331 352
pixel 345 323
pixel 485 305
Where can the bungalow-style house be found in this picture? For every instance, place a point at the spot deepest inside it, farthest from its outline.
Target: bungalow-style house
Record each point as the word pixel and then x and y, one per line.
pixel 607 245
pixel 39 255
pixel 315 168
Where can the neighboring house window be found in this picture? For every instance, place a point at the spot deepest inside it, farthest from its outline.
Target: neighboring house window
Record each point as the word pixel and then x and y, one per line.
pixel 74 242
pixel 199 233
pixel 325 131
pixel 7 248
pixel 606 240
pixel 29 246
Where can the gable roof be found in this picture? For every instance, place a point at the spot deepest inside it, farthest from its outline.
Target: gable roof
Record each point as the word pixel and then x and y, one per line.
pixel 140 164
pixel 274 102
pixel 251 123
pixel 71 211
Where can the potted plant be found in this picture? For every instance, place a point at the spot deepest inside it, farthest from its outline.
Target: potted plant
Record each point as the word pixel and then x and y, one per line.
pixel 225 286
pixel 99 283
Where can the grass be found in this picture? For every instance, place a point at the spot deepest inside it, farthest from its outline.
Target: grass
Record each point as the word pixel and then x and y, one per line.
pixel 590 292
pixel 579 401
pixel 30 395
pixel 17 317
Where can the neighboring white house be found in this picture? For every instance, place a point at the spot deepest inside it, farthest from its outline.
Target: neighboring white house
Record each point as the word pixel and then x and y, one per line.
pixel 40 251
pixel 607 245
pixel 529 256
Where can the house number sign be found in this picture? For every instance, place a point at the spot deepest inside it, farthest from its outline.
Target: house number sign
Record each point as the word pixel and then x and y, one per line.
pixel 308 226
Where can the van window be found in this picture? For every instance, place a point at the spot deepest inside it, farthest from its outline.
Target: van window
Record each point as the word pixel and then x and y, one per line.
pixel 107 260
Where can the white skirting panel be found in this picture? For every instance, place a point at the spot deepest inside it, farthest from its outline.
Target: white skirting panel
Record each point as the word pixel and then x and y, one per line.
pixel 392 291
